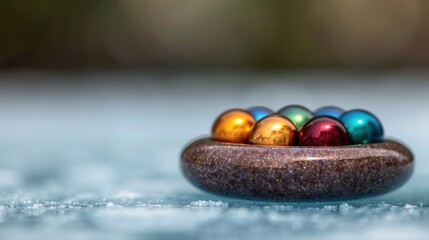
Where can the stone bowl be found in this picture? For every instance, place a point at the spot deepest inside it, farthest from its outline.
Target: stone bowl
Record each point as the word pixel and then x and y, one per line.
pixel 296 173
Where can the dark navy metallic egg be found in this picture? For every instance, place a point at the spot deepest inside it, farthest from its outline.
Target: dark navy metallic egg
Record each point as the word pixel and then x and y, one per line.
pixel 329 111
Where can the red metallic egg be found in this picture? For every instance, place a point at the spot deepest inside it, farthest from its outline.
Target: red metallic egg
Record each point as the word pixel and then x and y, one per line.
pixel 323 131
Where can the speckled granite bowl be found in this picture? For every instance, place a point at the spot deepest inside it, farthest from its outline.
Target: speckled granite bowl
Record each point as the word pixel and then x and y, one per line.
pixel 297 173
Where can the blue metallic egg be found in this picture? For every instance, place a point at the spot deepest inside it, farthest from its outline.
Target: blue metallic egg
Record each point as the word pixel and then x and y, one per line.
pixel 362 126
pixel 259 112
pixel 329 111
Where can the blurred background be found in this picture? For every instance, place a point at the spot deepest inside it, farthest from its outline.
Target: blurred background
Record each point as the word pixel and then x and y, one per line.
pixel 98 99
pixel 191 34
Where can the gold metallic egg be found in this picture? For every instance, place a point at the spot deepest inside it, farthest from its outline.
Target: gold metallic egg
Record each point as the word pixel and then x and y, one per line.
pixel 274 130
pixel 233 126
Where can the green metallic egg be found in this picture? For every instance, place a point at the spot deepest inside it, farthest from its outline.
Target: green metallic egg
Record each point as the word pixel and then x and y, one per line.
pixel 299 115
pixel 362 126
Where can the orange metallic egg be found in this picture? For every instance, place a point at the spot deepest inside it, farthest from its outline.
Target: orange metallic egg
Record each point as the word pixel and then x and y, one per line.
pixel 233 126
pixel 274 130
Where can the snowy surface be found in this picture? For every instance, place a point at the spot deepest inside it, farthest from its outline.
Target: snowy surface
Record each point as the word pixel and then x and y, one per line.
pixel 98 157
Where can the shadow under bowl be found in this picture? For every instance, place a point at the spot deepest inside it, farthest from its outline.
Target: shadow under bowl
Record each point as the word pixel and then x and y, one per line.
pixel 296 173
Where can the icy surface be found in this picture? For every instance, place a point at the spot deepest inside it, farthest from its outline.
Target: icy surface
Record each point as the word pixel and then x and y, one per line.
pixel 99 160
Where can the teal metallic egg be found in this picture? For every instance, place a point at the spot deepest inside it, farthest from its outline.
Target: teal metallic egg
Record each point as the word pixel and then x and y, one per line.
pixel 259 112
pixel 362 126
pixel 329 111
pixel 299 115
